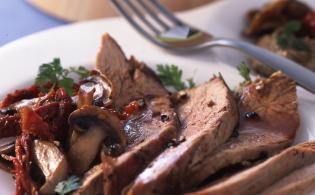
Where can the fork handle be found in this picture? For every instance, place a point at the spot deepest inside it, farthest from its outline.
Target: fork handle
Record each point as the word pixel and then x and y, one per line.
pixel 302 75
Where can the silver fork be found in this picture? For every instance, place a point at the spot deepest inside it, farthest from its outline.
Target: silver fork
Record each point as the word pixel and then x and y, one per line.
pixel 164 29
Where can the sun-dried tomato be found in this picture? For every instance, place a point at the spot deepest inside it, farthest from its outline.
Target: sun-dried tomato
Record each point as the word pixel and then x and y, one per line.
pixel 33 124
pixel 18 95
pixel 59 123
pixel 48 111
pixel 21 162
pixel 9 126
pixel 309 23
pixel 132 107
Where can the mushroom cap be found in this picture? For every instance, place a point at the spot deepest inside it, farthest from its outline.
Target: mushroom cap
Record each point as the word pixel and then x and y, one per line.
pixel 94 127
pixel 87 117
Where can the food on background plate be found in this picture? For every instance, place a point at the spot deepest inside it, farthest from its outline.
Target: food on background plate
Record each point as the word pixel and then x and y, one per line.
pixel 118 130
pixel 286 27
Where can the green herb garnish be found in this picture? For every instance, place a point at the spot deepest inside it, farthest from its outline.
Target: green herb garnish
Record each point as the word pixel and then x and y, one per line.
pixel 67 186
pixel 58 76
pixel 171 76
pixel 191 83
pixel 288 39
pixel 244 71
pixel 81 71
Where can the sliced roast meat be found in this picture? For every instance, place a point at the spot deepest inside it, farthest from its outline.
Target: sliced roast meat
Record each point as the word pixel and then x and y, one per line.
pixel 208 117
pixel 299 182
pixel 92 182
pixel 130 79
pixel 258 178
pixel 148 130
pixel 268 123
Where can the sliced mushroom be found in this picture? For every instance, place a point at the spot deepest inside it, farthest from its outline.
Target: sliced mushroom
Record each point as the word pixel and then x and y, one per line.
pixel 52 163
pixel 100 86
pixel 94 127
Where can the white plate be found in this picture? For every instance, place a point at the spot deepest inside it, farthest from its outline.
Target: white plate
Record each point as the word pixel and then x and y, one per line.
pixel 78 44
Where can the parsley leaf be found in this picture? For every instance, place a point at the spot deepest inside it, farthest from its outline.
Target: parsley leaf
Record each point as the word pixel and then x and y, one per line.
pixel 191 83
pixel 171 76
pixel 49 72
pixel 69 185
pixel 292 26
pixel 81 71
pixel 299 44
pixel 58 76
pixel 67 84
pixel 244 71
pixel 288 39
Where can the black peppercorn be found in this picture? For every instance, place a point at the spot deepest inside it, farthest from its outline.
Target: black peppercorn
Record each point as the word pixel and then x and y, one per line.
pixel 251 115
pixel 164 117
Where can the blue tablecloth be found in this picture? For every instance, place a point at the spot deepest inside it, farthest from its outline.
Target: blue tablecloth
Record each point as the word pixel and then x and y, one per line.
pixel 18 18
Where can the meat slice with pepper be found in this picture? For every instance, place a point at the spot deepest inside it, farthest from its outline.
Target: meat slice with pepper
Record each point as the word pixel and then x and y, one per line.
pixel 208 116
pixel 268 123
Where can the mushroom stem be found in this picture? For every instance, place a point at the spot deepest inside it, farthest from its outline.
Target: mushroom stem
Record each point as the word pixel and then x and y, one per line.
pixel 85 149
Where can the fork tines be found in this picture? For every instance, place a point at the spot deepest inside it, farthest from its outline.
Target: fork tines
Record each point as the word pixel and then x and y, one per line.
pixel 149 17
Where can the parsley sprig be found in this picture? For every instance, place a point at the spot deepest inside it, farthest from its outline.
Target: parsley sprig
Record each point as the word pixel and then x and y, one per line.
pixel 191 83
pixel 58 76
pixel 171 76
pixel 81 71
pixel 288 39
pixel 69 185
pixel 244 71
